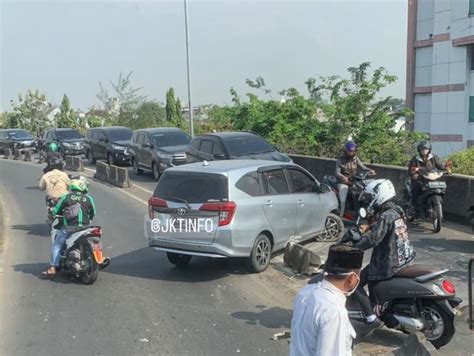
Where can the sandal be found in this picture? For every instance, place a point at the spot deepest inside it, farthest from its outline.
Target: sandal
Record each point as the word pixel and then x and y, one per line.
pixel 49 272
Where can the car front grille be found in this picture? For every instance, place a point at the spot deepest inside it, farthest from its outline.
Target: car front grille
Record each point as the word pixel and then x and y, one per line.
pixel 178 159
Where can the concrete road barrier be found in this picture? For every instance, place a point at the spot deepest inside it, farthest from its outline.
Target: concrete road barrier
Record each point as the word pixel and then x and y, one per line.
pixel 300 259
pixel 102 171
pixel 123 180
pixel 119 176
pixel 18 155
pixel 28 156
pixel 69 163
pixel 7 153
pixel 77 164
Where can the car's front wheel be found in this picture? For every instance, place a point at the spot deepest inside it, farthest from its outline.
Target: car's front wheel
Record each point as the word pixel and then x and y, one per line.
pixel 261 254
pixel 333 229
pixel 90 157
pixel 110 159
pixel 155 170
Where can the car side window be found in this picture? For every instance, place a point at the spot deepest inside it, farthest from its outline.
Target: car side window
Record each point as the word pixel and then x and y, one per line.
pixel 195 144
pixel 217 149
pixel 206 146
pixel 101 135
pixel 249 184
pixel 301 182
pixel 140 139
pixel 274 182
pixel 94 135
pixel 146 139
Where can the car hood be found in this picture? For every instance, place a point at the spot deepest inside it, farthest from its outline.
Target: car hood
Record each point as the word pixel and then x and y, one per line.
pixel 124 143
pixel 73 140
pixel 172 149
pixel 268 156
pixel 29 140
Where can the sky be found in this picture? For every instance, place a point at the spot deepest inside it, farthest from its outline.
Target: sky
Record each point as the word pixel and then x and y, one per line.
pixel 68 47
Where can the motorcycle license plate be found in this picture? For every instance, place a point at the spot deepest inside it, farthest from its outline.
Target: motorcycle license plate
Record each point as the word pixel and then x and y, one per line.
pixel 437 184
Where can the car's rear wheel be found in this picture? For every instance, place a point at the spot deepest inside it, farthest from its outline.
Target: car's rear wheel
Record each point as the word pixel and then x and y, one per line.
pixel 333 229
pixel 137 171
pixel 156 171
pixel 178 259
pixel 261 254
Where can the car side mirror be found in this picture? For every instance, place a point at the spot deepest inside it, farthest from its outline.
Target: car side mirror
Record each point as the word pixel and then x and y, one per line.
pixel 324 188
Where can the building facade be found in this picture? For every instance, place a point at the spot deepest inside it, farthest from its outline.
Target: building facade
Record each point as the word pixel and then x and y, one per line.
pixel 440 71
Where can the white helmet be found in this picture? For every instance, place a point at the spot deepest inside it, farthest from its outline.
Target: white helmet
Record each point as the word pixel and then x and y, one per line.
pixel 376 193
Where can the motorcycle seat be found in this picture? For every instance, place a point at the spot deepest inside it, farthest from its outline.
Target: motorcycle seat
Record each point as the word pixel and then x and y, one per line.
pixel 415 270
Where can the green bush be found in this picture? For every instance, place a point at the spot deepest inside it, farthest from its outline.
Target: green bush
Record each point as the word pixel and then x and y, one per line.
pixel 463 161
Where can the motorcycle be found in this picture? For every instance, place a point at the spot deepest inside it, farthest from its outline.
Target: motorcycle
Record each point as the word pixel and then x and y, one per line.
pixel 357 184
pixel 430 200
pixel 81 255
pixel 418 296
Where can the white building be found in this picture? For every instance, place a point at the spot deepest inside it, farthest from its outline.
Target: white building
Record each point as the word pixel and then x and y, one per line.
pixel 440 71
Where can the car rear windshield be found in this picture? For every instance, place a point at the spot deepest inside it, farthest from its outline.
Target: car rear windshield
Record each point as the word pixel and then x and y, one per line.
pixel 119 134
pixel 19 134
pixel 69 134
pixel 165 139
pixel 193 187
pixel 247 145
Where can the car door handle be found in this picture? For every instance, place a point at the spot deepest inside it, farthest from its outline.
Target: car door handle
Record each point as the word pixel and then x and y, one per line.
pixel 269 203
pixel 301 202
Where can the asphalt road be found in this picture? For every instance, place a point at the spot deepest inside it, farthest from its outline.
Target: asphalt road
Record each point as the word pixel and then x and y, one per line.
pixel 140 305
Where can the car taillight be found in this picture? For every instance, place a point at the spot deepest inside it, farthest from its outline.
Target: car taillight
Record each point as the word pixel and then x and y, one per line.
pixel 153 203
pixel 226 211
pixel 448 287
pixel 97 232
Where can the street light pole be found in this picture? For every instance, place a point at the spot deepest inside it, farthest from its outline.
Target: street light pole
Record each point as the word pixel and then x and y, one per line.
pixel 191 129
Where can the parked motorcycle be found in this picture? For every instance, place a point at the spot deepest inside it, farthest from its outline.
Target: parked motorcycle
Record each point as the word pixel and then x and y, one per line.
pixel 430 199
pixel 357 184
pixel 418 296
pixel 81 254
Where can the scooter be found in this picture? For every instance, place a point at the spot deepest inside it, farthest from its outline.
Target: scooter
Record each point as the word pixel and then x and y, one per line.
pixel 357 184
pixel 81 254
pixel 418 296
pixel 430 199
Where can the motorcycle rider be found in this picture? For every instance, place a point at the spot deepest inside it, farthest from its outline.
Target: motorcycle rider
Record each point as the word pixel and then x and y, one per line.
pixel 55 182
pixel 392 250
pixel 424 162
pixel 347 166
pixel 77 209
pixel 52 153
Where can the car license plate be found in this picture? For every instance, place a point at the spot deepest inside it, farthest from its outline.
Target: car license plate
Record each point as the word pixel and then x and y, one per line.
pixel 437 184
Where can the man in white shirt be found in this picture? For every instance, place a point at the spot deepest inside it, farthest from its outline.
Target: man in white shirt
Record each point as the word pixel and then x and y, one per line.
pixel 320 324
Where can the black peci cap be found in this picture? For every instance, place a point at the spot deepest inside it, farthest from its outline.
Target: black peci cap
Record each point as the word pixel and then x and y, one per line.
pixel 343 258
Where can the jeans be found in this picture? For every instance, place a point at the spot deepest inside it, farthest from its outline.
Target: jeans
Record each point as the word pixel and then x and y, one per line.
pixel 343 191
pixel 58 243
pixel 416 190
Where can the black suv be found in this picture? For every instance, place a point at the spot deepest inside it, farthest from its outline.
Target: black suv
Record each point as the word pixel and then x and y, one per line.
pixel 69 141
pixel 108 143
pixel 232 145
pixel 17 138
pixel 157 149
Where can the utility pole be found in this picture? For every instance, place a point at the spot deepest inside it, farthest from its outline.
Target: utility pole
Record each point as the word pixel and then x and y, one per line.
pixel 191 128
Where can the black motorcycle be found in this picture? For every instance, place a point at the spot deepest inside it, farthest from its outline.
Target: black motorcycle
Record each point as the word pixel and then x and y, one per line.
pixel 430 200
pixel 418 296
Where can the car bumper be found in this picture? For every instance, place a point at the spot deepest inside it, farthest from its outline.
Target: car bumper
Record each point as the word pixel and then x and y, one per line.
pixel 221 246
pixel 72 151
pixel 121 157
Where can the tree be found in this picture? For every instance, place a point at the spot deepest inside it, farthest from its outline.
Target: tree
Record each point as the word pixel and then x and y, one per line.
pixel 66 117
pixel 30 111
pixel 173 110
pixel 179 119
pixel 149 114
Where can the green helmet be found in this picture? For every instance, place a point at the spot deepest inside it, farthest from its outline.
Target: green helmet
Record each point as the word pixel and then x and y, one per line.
pixel 53 147
pixel 79 185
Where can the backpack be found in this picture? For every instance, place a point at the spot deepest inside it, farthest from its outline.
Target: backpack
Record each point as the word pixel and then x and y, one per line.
pixel 72 211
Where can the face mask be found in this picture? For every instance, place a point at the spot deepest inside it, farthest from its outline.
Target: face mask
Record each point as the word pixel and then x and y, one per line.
pixel 348 293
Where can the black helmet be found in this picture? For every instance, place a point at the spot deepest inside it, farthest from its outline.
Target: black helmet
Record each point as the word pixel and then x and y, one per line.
pixel 423 145
pixel 56 163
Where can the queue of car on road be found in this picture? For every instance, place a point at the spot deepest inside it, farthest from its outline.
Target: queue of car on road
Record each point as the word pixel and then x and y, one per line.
pixel 234 194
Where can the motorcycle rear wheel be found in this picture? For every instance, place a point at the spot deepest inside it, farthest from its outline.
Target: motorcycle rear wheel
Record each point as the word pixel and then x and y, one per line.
pixel 437 217
pixel 441 324
pixel 89 276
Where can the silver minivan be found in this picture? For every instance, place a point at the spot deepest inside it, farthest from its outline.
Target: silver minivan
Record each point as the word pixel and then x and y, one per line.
pixel 238 208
